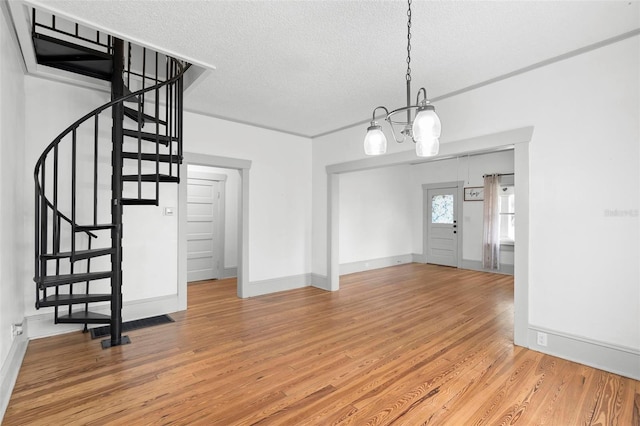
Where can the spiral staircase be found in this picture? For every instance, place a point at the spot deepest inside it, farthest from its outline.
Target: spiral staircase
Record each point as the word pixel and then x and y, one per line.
pixel 114 156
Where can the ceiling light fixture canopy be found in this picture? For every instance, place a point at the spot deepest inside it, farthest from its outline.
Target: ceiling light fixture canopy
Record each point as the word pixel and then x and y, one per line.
pixel 420 124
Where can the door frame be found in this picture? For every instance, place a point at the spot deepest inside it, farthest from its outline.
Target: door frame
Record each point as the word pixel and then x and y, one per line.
pixel 459 185
pixel 220 213
pixel 243 167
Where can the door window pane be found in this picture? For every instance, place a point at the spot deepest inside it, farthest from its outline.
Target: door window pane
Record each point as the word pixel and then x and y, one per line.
pixel 442 208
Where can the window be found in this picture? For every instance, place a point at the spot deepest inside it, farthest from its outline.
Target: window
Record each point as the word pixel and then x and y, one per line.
pixel 442 208
pixel 507 214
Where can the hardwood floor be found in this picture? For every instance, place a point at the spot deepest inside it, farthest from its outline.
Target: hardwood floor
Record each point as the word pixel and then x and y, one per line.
pixel 407 345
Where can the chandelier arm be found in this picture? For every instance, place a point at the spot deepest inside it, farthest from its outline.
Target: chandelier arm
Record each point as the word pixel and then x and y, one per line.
pixel 373 116
pixel 393 115
pixel 422 90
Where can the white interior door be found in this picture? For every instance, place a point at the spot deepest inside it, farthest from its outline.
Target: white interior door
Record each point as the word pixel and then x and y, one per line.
pixel 203 257
pixel 442 226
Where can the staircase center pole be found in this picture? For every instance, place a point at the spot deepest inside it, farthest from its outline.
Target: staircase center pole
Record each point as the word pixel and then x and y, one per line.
pixel 117 91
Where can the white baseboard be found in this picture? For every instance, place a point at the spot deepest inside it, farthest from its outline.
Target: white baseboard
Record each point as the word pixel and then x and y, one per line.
pixel 230 272
pixel 419 258
pixel 10 369
pixel 366 265
pixel 320 281
pixel 476 265
pixel 41 325
pixel 604 356
pixel 274 285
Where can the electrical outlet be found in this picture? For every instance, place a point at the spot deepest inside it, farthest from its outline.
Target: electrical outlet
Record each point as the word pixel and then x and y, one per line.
pixel 16 330
pixel 542 339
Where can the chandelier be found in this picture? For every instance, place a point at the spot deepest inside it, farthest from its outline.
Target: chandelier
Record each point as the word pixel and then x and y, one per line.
pixel 418 122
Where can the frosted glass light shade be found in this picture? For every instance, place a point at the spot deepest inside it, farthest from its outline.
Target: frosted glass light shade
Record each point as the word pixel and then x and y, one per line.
pixel 375 142
pixel 427 147
pixel 427 124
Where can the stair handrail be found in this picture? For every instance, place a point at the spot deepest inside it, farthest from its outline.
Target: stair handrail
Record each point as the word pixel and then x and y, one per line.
pixel 97 111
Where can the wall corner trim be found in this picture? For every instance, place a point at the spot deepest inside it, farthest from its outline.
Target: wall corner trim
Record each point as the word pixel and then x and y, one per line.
pixel 320 281
pixel 274 285
pixel 231 272
pixel 418 258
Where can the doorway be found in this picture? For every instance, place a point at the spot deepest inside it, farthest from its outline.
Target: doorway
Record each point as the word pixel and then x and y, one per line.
pixel 516 139
pixel 442 223
pixel 242 255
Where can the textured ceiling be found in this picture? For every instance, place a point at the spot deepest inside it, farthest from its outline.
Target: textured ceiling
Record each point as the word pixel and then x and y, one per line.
pixel 310 67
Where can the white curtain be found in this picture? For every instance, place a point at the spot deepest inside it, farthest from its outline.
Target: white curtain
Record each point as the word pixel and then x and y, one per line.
pixel 491 234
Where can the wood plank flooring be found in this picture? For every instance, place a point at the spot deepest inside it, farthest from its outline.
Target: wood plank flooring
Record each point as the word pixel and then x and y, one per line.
pixel 407 345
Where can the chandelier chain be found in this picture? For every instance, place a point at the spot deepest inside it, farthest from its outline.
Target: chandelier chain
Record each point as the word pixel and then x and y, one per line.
pixel 409 42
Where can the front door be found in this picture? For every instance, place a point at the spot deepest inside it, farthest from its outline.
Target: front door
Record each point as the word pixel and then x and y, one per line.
pixel 442 226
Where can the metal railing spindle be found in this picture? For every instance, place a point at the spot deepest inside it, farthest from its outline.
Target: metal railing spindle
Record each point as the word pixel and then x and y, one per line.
pixel 44 220
pixel 56 230
pixel 157 120
pixel 144 73
pixel 95 173
pixel 73 193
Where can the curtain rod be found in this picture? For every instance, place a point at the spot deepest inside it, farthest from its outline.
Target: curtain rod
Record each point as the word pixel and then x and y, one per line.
pixel 501 174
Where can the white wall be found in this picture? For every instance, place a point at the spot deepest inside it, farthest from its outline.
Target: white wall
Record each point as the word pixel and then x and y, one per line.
pixel 279 193
pixel 12 204
pixel 375 214
pixel 584 161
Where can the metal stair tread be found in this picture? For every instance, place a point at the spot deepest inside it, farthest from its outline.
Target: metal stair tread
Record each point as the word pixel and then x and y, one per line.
pixel 79 254
pixel 150 178
pixel 70 299
pixel 132 113
pixel 139 202
pixel 98 227
pixel 82 317
pixel 163 158
pixel 54 280
pixel 151 137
